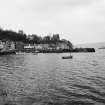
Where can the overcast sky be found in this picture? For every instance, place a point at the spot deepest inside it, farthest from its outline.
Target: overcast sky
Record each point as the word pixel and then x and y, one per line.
pixel 79 21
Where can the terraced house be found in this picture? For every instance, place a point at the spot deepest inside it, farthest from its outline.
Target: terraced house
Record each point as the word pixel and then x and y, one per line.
pixel 7 45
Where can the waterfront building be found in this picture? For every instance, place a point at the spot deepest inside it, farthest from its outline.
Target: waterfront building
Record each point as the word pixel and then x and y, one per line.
pixel 19 45
pixel 6 45
pixel 62 46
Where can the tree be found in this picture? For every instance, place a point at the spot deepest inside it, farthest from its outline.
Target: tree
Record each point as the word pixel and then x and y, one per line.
pixel 55 38
pixel 47 39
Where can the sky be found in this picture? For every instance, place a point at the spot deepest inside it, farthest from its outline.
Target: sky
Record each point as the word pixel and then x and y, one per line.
pixel 80 21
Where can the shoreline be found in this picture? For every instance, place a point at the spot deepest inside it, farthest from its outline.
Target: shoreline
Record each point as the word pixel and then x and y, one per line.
pixel 76 50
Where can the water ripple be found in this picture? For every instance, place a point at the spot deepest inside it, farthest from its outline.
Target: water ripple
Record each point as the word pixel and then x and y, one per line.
pixel 46 79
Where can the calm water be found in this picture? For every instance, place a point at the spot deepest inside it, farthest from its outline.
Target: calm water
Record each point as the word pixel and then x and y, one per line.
pixel 46 79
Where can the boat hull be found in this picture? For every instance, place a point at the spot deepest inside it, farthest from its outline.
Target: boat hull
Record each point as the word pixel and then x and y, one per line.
pixel 67 57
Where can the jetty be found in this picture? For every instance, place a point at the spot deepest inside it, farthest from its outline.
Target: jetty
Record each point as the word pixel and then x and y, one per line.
pixel 8 52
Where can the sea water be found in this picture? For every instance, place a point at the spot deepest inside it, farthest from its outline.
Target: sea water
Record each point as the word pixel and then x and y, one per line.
pixel 47 79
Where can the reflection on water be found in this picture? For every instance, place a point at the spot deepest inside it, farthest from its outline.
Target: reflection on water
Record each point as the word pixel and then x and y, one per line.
pixel 46 79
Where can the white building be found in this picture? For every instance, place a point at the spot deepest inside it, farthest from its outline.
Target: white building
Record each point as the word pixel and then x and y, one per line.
pixel 62 46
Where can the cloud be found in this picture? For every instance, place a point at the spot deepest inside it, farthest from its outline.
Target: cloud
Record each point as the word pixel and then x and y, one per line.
pixel 74 19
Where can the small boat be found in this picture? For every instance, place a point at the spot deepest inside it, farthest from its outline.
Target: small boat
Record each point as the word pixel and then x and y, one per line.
pixel 67 57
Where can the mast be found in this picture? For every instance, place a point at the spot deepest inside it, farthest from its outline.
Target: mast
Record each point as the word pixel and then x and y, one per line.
pixel 69 48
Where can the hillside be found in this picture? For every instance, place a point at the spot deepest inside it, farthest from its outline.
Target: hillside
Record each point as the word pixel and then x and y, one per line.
pixel 92 45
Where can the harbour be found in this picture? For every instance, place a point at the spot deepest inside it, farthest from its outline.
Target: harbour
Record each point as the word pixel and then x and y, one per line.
pixel 52 52
pixel 46 79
